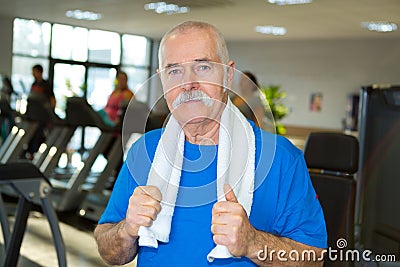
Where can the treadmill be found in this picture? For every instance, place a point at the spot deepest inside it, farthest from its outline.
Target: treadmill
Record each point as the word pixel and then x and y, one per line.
pixel 7 116
pixel 32 188
pixel 22 133
pixel 96 200
pixel 69 193
pixel 60 133
pixel 57 137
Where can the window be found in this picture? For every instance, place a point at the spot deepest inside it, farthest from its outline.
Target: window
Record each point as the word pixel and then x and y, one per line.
pixel 78 62
pixel 69 43
pixel 136 63
pixel 69 80
pixel 101 83
pixel 31 38
pixel 31 45
pixel 137 82
pixel 81 46
pixel 136 50
pixel 104 47
pixel 22 78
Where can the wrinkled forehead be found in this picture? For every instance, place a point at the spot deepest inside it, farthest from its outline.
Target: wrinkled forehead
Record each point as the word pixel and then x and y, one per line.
pixel 188 46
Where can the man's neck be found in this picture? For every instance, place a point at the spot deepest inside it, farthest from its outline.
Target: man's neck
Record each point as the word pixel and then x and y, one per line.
pixel 203 133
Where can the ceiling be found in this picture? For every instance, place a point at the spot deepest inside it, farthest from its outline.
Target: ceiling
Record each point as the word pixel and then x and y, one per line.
pixel 322 19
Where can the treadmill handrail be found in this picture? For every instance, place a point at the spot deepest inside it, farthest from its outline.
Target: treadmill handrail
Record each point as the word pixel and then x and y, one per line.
pixel 80 113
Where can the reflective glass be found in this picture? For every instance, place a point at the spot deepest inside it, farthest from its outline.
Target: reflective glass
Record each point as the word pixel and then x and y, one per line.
pixel 104 47
pixel 31 38
pixel 21 77
pixel 69 80
pixel 136 82
pixel 101 82
pixel 69 43
pixel 135 50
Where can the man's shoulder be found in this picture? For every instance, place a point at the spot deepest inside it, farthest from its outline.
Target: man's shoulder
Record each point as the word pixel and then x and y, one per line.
pixel 280 144
pixel 44 83
pixel 153 135
pixel 148 140
pixel 286 145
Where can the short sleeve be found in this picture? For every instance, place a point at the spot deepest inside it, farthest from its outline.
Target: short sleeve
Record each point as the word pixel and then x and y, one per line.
pixel 119 199
pixel 299 215
pixel 133 173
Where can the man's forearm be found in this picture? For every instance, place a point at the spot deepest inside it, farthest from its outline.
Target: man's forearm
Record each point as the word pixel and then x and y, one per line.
pixel 115 246
pixel 270 250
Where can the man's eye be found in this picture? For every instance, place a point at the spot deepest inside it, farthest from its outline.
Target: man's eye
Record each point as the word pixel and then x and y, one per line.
pixel 173 72
pixel 203 67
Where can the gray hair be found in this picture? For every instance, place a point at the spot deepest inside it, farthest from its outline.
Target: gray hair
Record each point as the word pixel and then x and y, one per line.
pixel 184 27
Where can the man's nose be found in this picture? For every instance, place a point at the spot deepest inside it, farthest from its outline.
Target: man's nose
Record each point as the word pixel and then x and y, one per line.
pixel 190 80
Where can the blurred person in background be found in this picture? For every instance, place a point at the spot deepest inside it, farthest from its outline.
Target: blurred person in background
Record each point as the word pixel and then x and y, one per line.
pixel 248 100
pixel 40 89
pixel 117 101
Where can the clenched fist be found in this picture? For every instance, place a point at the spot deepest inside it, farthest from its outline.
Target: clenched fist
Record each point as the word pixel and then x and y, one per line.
pixel 231 226
pixel 144 205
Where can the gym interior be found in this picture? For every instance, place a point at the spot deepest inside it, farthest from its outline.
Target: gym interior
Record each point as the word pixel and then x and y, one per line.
pixel 340 91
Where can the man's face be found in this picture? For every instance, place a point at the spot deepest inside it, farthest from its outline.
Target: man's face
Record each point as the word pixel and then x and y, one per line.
pixel 191 70
pixel 36 74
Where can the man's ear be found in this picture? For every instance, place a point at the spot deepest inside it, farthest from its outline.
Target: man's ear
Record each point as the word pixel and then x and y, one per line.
pixel 231 72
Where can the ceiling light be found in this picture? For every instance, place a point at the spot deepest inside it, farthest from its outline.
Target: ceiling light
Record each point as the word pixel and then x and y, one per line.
pixel 289 2
pixel 379 26
pixel 273 30
pixel 162 7
pixel 84 15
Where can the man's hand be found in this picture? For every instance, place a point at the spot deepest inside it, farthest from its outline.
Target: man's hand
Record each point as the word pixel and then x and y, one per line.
pixel 231 226
pixel 144 205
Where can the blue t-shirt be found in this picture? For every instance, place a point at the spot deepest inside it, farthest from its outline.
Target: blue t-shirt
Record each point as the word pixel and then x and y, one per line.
pixel 284 200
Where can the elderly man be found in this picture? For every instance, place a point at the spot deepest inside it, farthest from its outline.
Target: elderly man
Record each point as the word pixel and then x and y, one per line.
pixel 210 188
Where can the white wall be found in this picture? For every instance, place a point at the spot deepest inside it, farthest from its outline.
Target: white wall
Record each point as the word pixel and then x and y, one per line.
pixel 335 68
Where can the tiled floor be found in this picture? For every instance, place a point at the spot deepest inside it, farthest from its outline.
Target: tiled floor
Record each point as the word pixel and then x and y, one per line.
pixel 37 247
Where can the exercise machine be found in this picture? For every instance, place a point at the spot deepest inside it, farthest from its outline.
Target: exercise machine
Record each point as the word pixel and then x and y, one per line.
pixel 32 188
pixel 134 125
pixel 70 193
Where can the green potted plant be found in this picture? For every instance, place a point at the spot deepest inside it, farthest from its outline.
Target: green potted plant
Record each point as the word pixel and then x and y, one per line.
pixel 274 96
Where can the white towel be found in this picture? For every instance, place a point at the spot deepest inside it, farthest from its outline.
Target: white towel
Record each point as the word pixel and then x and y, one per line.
pixel 235 166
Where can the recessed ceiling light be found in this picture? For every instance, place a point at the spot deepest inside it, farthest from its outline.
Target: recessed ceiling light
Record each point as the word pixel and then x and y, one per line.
pixel 379 26
pixel 83 15
pixel 269 29
pixel 162 7
pixel 289 2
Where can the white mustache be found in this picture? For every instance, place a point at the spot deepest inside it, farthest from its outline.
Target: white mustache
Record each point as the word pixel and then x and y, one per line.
pixel 192 95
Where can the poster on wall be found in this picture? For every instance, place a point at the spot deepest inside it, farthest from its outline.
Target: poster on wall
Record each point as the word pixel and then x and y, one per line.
pixel 316 102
